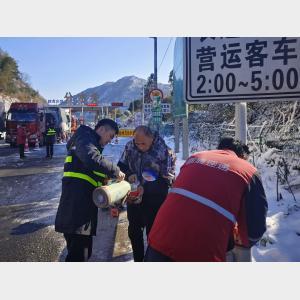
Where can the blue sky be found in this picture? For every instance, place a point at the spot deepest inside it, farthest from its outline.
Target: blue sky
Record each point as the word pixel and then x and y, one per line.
pixel 57 65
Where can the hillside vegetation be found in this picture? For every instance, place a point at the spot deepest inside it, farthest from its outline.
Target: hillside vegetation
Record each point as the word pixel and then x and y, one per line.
pixel 13 83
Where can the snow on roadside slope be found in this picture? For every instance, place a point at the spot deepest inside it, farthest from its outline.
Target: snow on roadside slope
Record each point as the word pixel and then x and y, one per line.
pixel 281 242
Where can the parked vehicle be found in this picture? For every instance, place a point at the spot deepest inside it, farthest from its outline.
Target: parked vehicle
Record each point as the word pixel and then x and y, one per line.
pixel 2 121
pixel 62 122
pixel 30 115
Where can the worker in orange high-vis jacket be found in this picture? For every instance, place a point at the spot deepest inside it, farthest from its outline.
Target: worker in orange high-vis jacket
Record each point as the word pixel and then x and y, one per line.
pixel 216 203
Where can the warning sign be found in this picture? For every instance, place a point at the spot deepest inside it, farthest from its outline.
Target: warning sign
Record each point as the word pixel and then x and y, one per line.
pixel 124 132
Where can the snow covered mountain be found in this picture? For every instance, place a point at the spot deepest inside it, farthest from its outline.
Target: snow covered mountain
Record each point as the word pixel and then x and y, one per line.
pixel 124 90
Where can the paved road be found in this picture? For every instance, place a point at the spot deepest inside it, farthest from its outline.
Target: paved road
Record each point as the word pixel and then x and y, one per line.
pixel 29 195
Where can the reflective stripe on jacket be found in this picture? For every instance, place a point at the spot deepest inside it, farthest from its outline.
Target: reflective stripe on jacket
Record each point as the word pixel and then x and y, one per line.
pixel 94 178
pixel 50 132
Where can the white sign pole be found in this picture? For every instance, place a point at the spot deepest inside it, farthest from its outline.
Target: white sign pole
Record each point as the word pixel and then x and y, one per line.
pixel 241 122
pixel 185 135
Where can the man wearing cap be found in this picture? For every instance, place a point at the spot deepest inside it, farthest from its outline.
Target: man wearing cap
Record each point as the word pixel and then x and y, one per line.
pixel 217 203
pixel 148 162
pixel 85 169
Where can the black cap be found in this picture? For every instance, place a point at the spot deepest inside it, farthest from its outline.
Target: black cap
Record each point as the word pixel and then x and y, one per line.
pixel 111 123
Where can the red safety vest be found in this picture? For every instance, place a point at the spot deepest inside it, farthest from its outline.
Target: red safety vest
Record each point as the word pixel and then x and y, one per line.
pixel 201 210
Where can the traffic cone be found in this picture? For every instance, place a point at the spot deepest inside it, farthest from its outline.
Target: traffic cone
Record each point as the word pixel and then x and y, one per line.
pixel 36 146
pixel 26 148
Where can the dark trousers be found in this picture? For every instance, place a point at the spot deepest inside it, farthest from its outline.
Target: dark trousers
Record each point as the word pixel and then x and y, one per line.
pixel 139 216
pixel 49 149
pixel 154 256
pixel 79 247
pixel 21 150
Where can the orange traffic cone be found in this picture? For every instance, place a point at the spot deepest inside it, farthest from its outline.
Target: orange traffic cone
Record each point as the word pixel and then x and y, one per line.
pixel 26 148
pixel 36 146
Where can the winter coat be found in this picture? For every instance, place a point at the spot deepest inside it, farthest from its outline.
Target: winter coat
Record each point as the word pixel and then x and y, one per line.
pixel 215 196
pixel 160 159
pixel 21 136
pixel 85 168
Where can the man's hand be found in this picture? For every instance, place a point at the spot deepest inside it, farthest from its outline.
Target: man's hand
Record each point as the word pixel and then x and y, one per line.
pixel 132 178
pixel 135 199
pixel 141 191
pixel 121 176
pixel 170 176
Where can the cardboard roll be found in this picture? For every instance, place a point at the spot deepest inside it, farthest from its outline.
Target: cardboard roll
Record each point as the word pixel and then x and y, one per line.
pixel 110 195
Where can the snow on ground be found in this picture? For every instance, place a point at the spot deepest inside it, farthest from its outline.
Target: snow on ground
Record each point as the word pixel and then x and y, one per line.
pixel 281 242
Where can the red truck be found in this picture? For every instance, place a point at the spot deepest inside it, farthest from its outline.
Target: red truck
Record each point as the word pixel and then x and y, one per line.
pixel 32 115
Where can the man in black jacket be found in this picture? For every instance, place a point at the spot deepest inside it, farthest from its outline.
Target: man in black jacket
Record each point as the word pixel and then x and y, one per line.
pixel 85 169
pixel 150 163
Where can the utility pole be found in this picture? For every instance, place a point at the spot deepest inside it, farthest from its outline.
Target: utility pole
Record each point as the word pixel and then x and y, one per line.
pixel 155 69
pixel 143 108
pixel 155 61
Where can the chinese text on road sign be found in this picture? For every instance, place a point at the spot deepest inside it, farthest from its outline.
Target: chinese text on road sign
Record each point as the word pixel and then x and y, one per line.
pixel 241 69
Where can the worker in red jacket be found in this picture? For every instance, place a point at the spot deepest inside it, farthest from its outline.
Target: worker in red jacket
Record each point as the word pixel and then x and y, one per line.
pixel 21 139
pixel 216 203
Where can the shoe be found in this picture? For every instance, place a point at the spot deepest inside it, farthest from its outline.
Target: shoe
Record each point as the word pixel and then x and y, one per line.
pixel 47 156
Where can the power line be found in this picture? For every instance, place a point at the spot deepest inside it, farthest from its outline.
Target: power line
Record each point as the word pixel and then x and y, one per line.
pixel 165 53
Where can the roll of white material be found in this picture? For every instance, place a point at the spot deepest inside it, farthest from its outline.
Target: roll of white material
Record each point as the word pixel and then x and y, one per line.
pixel 112 194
